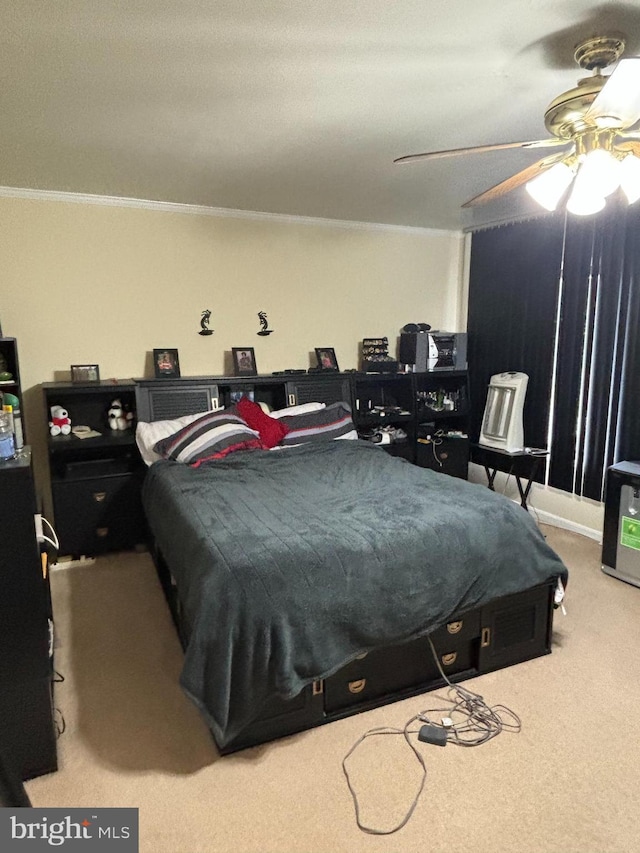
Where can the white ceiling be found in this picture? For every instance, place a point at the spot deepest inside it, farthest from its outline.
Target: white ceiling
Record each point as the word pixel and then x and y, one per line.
pixel 288 106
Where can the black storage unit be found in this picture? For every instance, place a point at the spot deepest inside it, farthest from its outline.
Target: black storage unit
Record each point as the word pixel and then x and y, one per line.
pixel 507 631
pixel 384 403
pixel 621 534
pixel 27 735
pixel 442 416
pixel 448 455
pixel 95 482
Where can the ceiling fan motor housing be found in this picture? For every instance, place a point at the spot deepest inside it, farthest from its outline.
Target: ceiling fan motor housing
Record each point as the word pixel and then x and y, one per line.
pixel 564 116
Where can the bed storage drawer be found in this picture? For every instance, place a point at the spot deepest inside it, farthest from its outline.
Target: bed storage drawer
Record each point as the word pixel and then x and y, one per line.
pixel 516 628
pixel 406 668
pixel 93 516
pixel 280 717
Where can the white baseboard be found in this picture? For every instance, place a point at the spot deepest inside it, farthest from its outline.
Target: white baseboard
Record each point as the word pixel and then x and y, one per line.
pixel 566 524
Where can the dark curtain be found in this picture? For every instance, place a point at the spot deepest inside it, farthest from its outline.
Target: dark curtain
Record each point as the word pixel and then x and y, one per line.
pixel 513 291
pixel 596 420
pixel 558 298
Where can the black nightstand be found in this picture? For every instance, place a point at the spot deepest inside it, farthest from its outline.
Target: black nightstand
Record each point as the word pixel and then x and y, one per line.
pixel 96 481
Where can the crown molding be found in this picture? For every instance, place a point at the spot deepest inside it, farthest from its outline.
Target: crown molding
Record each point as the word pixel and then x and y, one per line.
pixel 220 212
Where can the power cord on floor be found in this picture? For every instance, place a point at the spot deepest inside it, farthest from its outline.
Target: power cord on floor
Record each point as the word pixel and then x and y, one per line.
pixel 60 722
pixel 465 720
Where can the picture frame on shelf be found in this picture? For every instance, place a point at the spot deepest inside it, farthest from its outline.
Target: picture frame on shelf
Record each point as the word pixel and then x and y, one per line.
pixel 166 363
pixel 237 394
pixel 244 361
pixel 326 358
pixel 85 373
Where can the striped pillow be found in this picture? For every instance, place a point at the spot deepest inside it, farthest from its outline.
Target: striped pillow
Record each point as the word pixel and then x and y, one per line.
pixel 211 436
pixel 326 424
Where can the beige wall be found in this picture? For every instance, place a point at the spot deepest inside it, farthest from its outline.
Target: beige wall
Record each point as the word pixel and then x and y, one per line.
pixel 95 283
pixel 92 283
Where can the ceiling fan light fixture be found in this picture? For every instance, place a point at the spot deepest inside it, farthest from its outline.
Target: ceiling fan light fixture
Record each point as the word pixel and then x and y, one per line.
pixel 585 203
pixel 599 174
pixel 630 177
pixel 549 187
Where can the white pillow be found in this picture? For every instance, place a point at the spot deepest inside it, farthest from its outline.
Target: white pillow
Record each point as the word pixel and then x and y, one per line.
pixel 297 410
pixel 147 434
pixel 350 436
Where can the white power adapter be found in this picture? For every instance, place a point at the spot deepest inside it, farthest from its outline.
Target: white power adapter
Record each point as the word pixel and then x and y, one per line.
pixel 38 522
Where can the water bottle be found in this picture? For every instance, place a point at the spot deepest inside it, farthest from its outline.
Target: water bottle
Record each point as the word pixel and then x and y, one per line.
pixel 7 442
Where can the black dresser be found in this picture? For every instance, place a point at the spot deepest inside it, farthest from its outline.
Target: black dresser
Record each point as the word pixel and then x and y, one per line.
pixel 27 734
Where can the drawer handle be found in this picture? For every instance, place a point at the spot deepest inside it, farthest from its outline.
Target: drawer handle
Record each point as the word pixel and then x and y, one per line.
pixel 447 660
pixel 99 496
pixel 102 532
pixel 357 686
pixel 317 688
pixel 454 627
pixel 485 638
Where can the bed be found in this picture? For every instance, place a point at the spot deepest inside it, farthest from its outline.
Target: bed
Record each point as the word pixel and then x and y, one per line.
pixel 309 581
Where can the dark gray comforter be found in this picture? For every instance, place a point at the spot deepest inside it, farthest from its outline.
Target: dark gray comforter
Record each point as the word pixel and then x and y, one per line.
pixel 291 562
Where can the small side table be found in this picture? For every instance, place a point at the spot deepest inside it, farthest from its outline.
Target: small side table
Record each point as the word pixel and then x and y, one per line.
pixel 523 466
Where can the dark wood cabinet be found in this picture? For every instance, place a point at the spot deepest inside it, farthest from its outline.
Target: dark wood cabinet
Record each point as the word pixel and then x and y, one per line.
pixel 95 482
pixel 442 417
pixel 27 736
pixel 384 412
pixel 421 417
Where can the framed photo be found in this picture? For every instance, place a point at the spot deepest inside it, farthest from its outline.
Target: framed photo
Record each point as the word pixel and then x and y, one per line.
pixel 244 361
pixel 85 373
pixel 326 358
pixel 166 363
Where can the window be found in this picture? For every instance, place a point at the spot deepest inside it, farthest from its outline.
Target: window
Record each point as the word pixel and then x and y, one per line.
pixel 558 298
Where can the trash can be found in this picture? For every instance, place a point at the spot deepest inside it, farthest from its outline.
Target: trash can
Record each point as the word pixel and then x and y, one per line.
pixel 621 534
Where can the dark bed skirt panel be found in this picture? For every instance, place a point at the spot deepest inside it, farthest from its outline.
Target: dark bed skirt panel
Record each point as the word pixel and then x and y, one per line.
pixel 509 630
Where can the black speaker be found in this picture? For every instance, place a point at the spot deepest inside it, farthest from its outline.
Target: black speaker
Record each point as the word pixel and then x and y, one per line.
pixel 414 349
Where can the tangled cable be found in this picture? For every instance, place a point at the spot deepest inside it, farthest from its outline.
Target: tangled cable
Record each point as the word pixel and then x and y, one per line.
pixel 465 717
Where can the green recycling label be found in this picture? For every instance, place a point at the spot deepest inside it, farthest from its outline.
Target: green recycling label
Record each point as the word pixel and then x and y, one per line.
pixel 630 533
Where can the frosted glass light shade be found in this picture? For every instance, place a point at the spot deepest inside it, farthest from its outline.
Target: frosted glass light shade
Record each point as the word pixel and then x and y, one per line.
pixel 599 174
pixel 585 203
pixel 630 177
pixel 548 188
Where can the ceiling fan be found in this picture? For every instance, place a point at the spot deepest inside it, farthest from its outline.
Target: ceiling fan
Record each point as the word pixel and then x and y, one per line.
pixel 593 123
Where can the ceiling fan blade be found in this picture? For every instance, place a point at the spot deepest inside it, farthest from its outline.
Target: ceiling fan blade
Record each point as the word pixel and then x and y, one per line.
pixel 479 149
pixel 630 145
pixel 517 180
pixel 618 102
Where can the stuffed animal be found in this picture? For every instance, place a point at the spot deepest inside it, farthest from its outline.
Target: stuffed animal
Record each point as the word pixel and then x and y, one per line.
pixel 117 417
pixel 60 423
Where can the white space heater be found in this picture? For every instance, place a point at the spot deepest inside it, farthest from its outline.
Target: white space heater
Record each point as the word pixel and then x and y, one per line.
pixel 502 425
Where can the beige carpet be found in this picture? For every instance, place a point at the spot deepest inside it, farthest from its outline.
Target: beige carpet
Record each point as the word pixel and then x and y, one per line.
pixel 567 783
